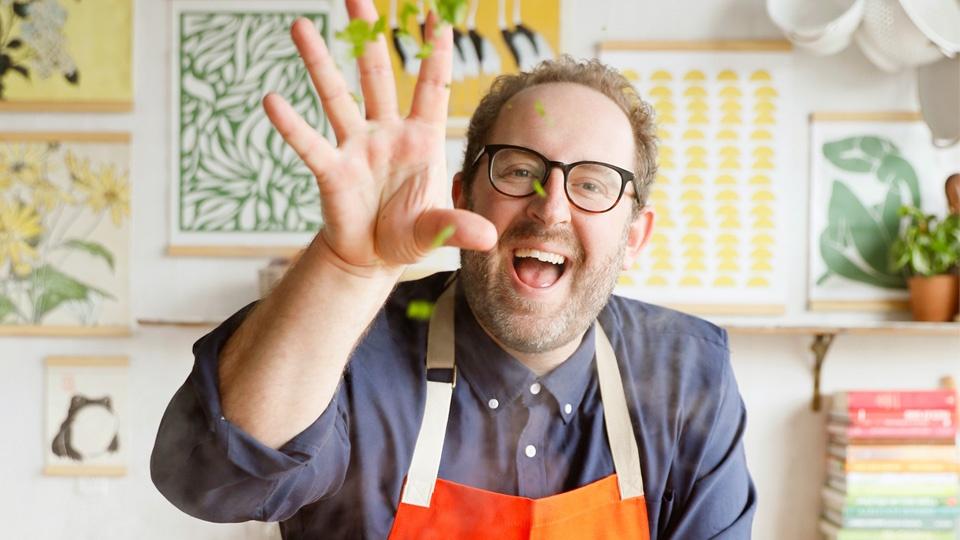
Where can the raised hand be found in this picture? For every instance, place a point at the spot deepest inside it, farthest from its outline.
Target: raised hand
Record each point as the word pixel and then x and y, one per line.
pixel 384 188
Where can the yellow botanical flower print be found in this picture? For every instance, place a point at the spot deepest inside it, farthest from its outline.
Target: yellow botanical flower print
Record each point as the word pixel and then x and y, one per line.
pixel 108 191
pixel 19 227
pixel 47 196
pixel 21 164
pixel 79 169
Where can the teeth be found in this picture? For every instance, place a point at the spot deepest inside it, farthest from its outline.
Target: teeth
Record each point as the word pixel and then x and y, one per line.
pixel 544 256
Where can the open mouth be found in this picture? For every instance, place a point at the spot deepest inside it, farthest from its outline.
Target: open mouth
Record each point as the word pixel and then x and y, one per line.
pixel 538 269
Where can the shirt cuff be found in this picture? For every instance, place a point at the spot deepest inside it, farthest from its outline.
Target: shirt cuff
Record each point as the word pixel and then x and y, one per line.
pixel 241 448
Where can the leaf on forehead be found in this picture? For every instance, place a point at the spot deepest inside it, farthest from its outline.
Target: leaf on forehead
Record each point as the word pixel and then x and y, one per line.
pixel 538 106
pixel 443 236
pixel 420 310
pixel 538 187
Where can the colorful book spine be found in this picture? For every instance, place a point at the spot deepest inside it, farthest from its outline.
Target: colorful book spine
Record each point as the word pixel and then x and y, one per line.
pixel 833 532
pixel 833 497
pixel 853 432
pixel 896 417
pixel 898 452
pixel 892 399
pixel 937 524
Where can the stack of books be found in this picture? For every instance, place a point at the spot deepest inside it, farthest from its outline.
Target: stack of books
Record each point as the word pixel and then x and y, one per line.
pixel 893 466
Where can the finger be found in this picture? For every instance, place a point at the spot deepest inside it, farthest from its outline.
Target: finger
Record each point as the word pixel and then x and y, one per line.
pixel 334 94
pixel 432 94
pixel 376 72
pixel 471 230
pixel 315 151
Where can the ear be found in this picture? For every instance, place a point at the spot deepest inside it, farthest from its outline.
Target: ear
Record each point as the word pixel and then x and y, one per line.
pixel 459 198
pixel 638 234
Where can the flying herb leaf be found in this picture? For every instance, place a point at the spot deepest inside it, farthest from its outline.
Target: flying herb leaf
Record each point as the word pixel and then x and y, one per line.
pixel 452 12
pixel 358 32
pixel 419 310
pixel 443 236
pixel 408 10
pixel 538 187
pixel 357 97
pixel 425 51
pixel 538 106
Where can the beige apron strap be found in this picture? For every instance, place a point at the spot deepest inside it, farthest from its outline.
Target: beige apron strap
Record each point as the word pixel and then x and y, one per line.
pixel 623 443
pixel 441 378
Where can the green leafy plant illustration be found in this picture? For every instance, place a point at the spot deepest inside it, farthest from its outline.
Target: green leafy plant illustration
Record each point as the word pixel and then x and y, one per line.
pixel 856 241
pixel 236 172
pixel 32 41
pixel 39 217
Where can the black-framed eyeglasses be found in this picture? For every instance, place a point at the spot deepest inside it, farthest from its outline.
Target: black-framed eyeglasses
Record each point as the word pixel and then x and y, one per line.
pixel 592 186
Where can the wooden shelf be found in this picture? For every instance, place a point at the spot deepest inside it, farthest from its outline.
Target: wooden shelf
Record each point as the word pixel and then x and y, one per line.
pixel 823 331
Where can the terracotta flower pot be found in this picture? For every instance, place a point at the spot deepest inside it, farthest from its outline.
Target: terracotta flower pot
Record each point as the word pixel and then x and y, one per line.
pixel 934 298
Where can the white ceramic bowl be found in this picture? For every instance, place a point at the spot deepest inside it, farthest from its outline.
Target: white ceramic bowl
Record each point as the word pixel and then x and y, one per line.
pixel 822 26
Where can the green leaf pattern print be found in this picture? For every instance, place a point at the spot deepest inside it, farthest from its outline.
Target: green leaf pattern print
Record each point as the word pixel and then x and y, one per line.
pixel 236 173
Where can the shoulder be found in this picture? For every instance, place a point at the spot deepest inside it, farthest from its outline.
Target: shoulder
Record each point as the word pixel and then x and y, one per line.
pixel 639 320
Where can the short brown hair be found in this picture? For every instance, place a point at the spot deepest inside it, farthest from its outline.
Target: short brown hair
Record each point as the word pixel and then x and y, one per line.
pixel 590 73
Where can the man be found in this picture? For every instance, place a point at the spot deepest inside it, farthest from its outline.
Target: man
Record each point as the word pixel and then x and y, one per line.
pixel 533 403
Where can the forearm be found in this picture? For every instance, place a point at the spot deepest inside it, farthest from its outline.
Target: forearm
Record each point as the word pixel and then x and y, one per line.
pixel 280 369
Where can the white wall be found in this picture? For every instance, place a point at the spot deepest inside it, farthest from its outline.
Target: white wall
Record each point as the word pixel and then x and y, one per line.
pixel 785 442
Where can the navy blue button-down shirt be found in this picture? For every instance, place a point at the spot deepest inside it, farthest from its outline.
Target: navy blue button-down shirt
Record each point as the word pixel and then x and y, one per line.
pixel 342 476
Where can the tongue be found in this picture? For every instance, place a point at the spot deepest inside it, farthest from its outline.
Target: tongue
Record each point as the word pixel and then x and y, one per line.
pixel 536 273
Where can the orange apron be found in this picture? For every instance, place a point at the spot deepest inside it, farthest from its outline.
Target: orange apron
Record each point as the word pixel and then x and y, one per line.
pixel 433 508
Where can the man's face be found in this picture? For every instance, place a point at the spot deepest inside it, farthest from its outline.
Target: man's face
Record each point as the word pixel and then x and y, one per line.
pixel 516 290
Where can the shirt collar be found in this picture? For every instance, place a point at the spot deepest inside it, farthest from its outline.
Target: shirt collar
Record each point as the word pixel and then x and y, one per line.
pixel 496 375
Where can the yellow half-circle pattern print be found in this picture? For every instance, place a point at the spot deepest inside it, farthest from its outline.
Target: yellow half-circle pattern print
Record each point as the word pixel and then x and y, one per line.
pixel 691 195
pixel 659 238
pixel 726 238
pixel 662 266
pixel 758 282
pixel 691 180
pixel 691 239
pixel 727 195
pixel 695 266
pixel 695 91
pixel 727 210
pixel 690 281
pixel 725 180
pixel 731 118
pixel 695 151
pixel 727 75
pixel 697 105
pixel 663 134
pixel 727 253
pixel 660 252
pixel 694 75
pixel 694 252
pixel 761 135
pixel 658 195
pixel 698 118
pixel 764 119
pixel 729 151
pixel 730 106
pixel 662 179
pixel 661 92
pixel 692 210
pixel 766 92
pixel 759 180
pixel 762 211
pixel 763 223
pixel 667 151
pixel 630 75
pixel 664 107
pixel 666 118
pixel 667 163
pixel 762 196
pixel 730 92
pixel 727 135
pixel 761 266
pixel 697 223
pixel 696 163
pixel 728 266
pixel 664 221
pixel 730 163
pixel 730 223
pixel 661 75
pixel 764 106
pixel 763 164
pixel 624 280
pixel 692 135
pixel 760 75
pixel 724 281
pixel 656 281
pixel 762 240
pixel 762 152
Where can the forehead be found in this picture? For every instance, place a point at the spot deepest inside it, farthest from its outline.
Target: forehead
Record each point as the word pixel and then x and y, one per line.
pixel 566 122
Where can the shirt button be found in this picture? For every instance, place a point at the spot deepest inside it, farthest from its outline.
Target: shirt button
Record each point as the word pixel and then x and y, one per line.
pixel 530 450
pixel 535 388
pixel 567 409
pixel 493 404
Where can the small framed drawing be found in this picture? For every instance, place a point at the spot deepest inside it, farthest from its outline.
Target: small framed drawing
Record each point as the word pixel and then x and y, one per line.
pixel 86 411
pixel 238 188
pixel 864 166
pixel 64 234
pixel 65 55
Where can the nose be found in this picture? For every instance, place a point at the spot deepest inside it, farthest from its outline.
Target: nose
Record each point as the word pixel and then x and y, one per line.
pixel 555 207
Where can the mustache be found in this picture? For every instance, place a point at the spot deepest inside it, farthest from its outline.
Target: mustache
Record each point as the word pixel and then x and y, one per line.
pixel 559 235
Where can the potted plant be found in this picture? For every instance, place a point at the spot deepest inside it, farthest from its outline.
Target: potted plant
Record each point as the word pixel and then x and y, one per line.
pixel 928 251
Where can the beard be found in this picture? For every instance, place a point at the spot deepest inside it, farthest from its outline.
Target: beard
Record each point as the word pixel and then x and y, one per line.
pixel 531 326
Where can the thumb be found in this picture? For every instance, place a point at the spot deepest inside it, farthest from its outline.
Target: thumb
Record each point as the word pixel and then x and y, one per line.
pixel 456 228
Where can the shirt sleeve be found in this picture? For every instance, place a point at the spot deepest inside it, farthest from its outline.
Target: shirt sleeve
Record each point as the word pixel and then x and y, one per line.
pixel 213 470
pixel 722 500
